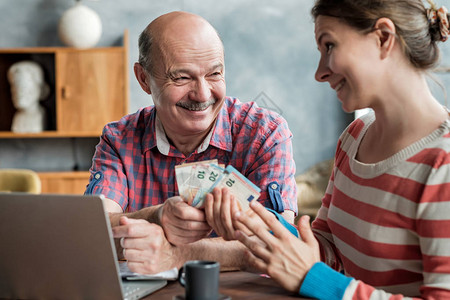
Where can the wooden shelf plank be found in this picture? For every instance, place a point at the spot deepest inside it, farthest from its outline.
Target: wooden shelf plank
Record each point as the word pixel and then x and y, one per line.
pixel 27 50
pixel 64 182
pixel 48 134
pixel 64 174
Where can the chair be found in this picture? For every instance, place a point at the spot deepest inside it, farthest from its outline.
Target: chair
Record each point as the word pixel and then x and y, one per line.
pixel 311 187
pixel 19 180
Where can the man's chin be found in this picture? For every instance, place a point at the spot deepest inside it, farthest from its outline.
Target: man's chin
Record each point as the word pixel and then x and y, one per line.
pixel 200 126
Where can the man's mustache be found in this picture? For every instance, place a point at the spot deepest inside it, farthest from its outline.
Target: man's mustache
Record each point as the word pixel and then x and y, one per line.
pixel 196 106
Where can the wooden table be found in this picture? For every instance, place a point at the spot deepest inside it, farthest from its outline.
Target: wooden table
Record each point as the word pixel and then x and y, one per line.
pixel 237 285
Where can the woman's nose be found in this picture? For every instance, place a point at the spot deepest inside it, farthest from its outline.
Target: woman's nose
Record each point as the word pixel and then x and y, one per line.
pixel 322 72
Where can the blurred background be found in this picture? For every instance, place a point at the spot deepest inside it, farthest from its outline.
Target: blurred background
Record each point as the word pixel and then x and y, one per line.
pixel 270 56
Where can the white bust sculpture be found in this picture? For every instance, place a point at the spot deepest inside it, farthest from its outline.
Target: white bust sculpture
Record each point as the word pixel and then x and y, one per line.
pixel 27 89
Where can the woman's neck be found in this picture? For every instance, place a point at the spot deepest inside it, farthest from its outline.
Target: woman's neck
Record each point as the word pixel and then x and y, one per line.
pixel 404 116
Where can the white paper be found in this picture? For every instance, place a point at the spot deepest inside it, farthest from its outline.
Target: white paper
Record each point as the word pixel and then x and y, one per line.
pixel 125 272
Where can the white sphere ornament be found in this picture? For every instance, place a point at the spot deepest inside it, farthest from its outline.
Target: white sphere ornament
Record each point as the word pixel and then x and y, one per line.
pixel 80 27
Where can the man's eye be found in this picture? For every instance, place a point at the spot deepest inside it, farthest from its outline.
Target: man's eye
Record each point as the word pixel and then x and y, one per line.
pixel 181 78
pixel 329 47
pixel 217 75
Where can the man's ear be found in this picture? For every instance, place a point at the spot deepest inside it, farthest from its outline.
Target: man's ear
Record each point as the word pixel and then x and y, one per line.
pixel 142 77
pixel 386 33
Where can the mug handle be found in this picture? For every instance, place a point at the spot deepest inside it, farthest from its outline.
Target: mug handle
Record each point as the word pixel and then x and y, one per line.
pixel 181 275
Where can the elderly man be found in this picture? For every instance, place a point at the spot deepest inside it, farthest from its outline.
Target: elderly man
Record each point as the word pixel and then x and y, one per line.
pixel 181 65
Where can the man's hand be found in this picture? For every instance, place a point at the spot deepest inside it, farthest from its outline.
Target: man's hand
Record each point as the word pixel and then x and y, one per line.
pixel 145 247
pixel 182 223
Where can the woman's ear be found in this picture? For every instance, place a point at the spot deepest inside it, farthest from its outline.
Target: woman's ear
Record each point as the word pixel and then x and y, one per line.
pixel 386 33
pixel 142 77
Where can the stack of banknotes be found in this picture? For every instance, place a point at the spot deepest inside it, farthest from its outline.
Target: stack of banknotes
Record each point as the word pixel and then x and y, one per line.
pixel 197 179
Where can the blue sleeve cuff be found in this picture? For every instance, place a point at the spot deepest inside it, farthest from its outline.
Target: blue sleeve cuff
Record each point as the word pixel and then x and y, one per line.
pixel 285 223
pixel 322 282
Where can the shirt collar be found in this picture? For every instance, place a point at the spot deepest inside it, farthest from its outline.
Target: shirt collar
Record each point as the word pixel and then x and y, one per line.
pixel 221 137
pixel 149 137
pixel 161 139
pixel 163 143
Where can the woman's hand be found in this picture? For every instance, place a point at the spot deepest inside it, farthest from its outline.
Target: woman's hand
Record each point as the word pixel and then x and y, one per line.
pixel 220 206
pixel 281 255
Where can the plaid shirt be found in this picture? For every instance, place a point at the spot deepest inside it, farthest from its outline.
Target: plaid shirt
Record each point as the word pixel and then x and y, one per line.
pixel 129 168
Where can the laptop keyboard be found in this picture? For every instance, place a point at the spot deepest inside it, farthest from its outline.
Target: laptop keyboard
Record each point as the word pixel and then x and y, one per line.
pixel 131 292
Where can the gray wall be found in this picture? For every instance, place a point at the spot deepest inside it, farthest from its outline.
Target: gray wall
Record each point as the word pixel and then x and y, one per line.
pixel 271 57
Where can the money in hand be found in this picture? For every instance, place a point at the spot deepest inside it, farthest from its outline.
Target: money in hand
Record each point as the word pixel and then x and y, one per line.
pixel 240 187
pixel 208 176
pixel 188 181
pixel 195 180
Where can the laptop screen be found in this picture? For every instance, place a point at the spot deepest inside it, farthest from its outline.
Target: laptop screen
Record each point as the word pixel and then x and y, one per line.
pixel 56 246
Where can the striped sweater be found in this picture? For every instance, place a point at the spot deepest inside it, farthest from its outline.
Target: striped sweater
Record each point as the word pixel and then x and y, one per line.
pixel 388 224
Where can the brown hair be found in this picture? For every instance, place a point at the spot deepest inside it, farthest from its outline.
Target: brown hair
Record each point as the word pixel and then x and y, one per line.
pixel 417 36
pixel 146 54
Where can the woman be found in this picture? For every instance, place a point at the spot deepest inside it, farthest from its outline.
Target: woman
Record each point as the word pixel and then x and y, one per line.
pixel 382 231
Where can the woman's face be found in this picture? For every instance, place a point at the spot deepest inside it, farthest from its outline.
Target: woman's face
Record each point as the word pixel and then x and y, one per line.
pixel 348 62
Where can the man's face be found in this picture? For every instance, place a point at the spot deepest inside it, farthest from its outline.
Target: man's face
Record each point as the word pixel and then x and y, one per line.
pixel 188 83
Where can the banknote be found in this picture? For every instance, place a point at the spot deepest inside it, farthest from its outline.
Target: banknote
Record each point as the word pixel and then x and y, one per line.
pixel 208 175
pixel 187 181
pixel 240 187
pixel 196 180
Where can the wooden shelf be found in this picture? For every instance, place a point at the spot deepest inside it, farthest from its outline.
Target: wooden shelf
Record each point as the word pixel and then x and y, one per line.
pixel 63 175
pixel 88 89
pixel 64 182
pixel 28 50
pixel 48 134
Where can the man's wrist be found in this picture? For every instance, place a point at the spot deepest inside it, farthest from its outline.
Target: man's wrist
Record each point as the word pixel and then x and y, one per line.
pixel 179 255
pixel 152 214
pixel 158 214
pixel 230 254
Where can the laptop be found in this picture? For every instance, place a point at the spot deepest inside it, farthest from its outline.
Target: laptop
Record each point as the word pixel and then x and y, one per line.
pixel 61 247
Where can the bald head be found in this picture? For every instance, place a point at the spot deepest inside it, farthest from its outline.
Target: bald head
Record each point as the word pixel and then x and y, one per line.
pixel 174 29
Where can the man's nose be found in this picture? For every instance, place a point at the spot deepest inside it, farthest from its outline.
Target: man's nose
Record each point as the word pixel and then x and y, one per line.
pixel 201 90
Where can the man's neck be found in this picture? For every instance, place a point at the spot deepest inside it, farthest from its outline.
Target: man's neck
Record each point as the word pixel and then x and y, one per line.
pixel 186 144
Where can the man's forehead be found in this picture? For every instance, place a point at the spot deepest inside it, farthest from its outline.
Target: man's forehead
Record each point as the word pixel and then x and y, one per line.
pixel 192 68
pixel 185 51
pixel 179 25
pixel 185 39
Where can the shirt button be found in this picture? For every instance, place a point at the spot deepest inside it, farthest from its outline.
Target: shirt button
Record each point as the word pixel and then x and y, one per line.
pixel 274 186
pixel 97 176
